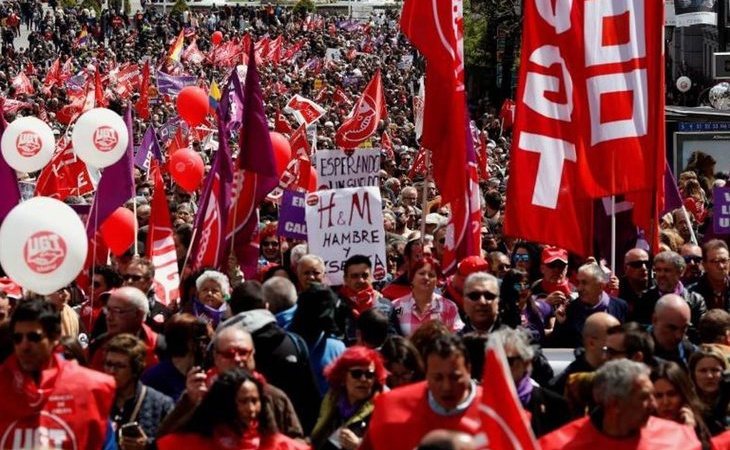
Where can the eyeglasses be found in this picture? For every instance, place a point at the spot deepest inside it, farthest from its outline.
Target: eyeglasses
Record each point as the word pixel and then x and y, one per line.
pixel 231 353
pixel 475 296
pixel 115 365
pixel 270 244
pixel 133 277
pixel 520 286
pixel 521 257
pixel 557 265
pixel 117 311
pixel 359 373
pixel 612 352
pixel 32 336
pixel 719 261
pixel 692 259
pixel 639 264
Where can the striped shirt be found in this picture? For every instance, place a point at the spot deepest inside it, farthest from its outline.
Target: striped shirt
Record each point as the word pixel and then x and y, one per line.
pixel 440 308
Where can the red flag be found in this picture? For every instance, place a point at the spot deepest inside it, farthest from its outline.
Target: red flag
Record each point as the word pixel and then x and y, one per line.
pixel 321 95
pixel 22 84
pixel 175 52
pixel 387 145
pixel 433 32
pixel 65 175
pixel 161 244
pixel 419 164
pixel 480 148
pixel 274 54
pixel 53 76
pixel 142 107
pixel 365 116
pixel 504 423
pixel 281 125
pixel 507 114
pixel 99 90
pixel 299 143
pixel 193 54
pixel 340 97
pixel 179 141
pixel 304 110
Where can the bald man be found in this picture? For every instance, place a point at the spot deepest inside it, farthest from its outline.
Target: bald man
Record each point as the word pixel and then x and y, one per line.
pixel 590 357
pixel 669 326
pixel 635 281
pixel 446 440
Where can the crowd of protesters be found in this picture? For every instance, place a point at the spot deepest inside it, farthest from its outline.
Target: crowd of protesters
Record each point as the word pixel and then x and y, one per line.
pixel 287 361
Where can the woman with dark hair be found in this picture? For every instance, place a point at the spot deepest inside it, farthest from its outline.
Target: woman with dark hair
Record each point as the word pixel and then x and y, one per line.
pixel 526 256
pixel 677 400
pixel 706 369
pixel 423 304
pixel 354 378
pixel 402 360
pixel 234 414
pixel 518 307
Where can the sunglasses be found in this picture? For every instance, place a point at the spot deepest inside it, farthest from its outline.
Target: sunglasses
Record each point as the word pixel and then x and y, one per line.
pixel 233 352
pixel 521 257
pixel 639 264
pixel 475 296
pixel 32 336
pixel 359 373
pixel 133 277
pixel 557 265
pixel 520 286
pixel 269 244
pixel 612 352
pixel 693 259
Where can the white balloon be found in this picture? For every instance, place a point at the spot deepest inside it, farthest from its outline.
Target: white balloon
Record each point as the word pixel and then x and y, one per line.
pixel 28 144
pixel 100 137
pixel 684 83
pixel 43 245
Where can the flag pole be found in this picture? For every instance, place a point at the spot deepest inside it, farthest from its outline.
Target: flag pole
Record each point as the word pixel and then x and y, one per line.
pixel 187 254
pixel 692 238
pixel 424 194
pixel 136 225
pixel 613 233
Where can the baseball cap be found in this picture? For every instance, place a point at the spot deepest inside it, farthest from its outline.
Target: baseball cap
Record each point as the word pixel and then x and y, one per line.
pixel 550 254
pixel 472 264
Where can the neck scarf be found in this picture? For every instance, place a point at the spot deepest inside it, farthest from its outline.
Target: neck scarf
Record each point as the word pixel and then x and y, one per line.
pixel 359 301
pixel 524 389
pixel 205 312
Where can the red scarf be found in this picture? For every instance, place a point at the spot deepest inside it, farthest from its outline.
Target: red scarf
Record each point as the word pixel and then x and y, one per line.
pixel 359 301
pixel 563 287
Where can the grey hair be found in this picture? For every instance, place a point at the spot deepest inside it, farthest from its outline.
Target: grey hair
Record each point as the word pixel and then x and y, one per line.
pixel 517 339
pixel 225 330
pixel 296 254
pixel 478 277
pixel 312 258
pixel 137 298
pixel 280 293
pixel 594 271
pixel 615 380
pixel 216 276
pixel 673 258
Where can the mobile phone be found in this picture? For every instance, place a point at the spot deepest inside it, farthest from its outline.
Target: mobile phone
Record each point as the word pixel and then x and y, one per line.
pixel 131 430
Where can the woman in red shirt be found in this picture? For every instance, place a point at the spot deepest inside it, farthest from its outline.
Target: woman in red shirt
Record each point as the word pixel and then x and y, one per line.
pixel 234 415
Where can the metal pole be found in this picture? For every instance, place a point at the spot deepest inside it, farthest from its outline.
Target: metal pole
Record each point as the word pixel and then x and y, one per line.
pixel 613 233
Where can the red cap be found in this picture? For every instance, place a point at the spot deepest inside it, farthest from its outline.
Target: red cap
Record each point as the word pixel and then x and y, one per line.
pixel 550 254
pixel 11 288
pixel 472 264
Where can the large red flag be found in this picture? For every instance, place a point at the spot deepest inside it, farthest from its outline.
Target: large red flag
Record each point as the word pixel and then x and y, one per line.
pixel 65 175
pixel 304 110
pixel 161 244
pixel 504 423
pixel 436 30
pixel 53 76
pixel 142 107
pixel 281 125
pixel 365 117
pixel 99 90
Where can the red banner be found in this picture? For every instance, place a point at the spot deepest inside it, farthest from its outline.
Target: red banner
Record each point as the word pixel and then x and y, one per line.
pixel 590 100
pixel 365 117
pixel 161 245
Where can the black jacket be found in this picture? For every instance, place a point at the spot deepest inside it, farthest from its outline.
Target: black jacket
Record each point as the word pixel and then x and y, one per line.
pixel 548 410
pixel 645 309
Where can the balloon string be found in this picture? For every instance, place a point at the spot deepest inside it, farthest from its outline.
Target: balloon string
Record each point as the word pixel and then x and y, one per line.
pixel 136 226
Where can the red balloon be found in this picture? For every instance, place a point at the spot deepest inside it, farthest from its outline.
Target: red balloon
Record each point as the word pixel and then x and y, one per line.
pixel 192 105
pixel 313 181
pixel 118 230
pixel 216 37
pixel 282 151
pixel 187 169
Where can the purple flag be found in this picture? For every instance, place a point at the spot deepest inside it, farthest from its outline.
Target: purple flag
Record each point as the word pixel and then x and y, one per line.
pixel 148 148
pixel 208 246
pixel 292 223
pixel 116 185
pixel 8 180
pixel 721 210
pixel 257 171
pixel 230 106
pixel 672 197
pixel 172 85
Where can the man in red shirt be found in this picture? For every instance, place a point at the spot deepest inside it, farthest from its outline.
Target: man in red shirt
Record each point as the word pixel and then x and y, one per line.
pixel 49 402
pixel 448 399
